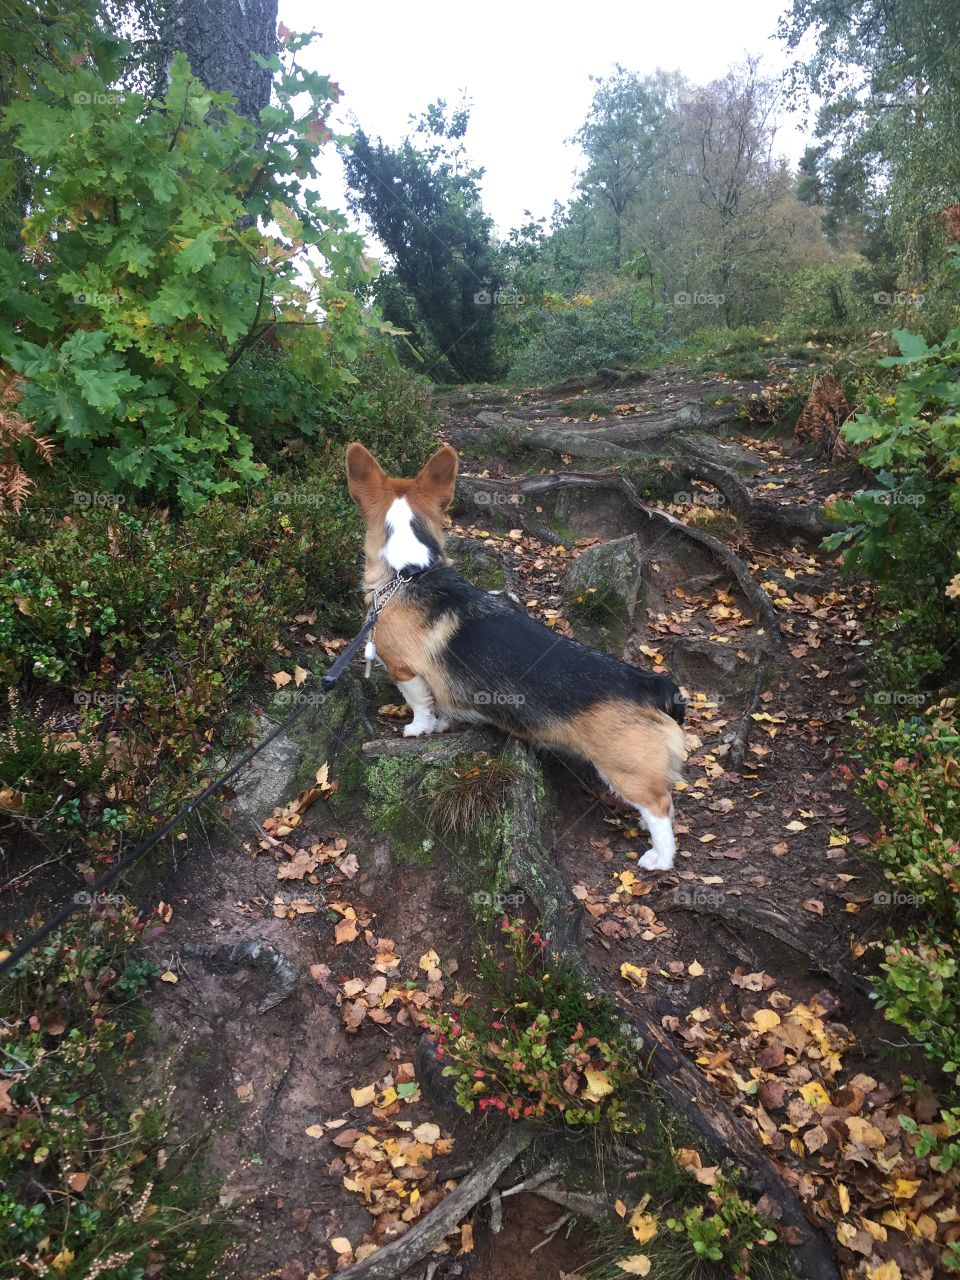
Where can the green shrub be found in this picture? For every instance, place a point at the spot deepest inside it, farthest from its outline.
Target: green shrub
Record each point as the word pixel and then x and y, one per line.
pixel 533 1042
pixel 147 280
pixel 569 338
pixel 905 531
pixel 86 1174
pixel 909 781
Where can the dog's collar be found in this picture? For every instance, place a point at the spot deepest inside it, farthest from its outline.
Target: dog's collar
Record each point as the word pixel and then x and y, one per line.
pixel 383 595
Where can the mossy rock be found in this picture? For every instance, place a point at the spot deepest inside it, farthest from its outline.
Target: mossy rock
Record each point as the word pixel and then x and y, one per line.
pixel 604 587
pixel 476 565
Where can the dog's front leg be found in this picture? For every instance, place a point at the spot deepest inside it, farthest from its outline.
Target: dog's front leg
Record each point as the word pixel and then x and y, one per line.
pixel 420 700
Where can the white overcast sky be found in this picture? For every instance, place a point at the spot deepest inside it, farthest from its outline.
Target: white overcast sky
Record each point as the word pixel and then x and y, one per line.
pixel 526 67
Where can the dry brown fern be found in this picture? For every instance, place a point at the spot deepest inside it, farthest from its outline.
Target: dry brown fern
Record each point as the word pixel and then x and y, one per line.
pixel 823 415
pixel 15 484
pixel 951 223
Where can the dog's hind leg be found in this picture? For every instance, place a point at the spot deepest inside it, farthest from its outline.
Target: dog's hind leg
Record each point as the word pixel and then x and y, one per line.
pixel 664 845
pixel 417 694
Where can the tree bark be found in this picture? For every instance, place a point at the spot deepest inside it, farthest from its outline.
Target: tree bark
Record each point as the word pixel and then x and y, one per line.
pixel 219 37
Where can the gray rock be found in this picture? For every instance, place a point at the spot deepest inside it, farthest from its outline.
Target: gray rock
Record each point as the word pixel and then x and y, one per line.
pixel 266 780
pixel 606 581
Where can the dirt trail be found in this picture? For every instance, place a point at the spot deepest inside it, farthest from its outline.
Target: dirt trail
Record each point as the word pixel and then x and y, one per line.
pixel 747 954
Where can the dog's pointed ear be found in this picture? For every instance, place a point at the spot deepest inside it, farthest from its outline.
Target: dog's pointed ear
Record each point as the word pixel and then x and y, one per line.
pixel 365 476
pixel 438 479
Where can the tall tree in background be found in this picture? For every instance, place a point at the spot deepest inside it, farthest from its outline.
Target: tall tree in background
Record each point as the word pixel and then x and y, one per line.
pixel 422 201
pixel 624 137
pixel 888 75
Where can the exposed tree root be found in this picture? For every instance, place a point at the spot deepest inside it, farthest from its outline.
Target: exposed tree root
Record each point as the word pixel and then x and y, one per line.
pixel 425 1234
pixel 738 746
pixel 745 917
pixel 612 482
pixel 281 974
pixel 687 1090
pixel 806 520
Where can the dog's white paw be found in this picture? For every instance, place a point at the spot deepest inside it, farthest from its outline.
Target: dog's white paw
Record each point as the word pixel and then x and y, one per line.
pixel 417 729
pixel 653 861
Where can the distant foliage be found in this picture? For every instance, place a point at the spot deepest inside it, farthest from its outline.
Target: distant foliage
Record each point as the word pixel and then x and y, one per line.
pixel 146 278
pixel 423 203
pixel 581 335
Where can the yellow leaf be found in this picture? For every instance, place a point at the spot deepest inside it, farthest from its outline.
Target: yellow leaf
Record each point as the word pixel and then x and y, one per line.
pixel 340 1244
pixel 598 1085
pixel 867 1134
pixel 815 1095
pixel 315 1131
pixel 429 960
pixel 638 1264
pixel 836 839
pixel 63 1260
pixel 169 977
pixel 364 1097
pixel 281 678
pixel 636 976
pixel 844 1196
pixel 905 1189
pixel 620 1208
pixel 886 1271
pixel 765 1020
pixel 874 1229
pixel 427 1132
pixel 299 675
pixel 643 1225
pixel 466 1237
pixel 695 969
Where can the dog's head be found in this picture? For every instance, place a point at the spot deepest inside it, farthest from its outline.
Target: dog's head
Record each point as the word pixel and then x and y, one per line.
pixel 404 516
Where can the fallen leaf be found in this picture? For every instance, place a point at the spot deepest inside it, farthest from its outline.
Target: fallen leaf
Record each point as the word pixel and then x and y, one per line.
pixel 633 974
pixel 638 1264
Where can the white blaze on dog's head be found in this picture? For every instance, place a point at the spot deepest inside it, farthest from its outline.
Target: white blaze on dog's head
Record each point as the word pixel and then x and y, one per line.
pixel 404 517
pixel 403 548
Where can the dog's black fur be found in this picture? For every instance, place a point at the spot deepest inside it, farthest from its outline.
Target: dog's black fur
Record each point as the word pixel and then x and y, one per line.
pixel 526 673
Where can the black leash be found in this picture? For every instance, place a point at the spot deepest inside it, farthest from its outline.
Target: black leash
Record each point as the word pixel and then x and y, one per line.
pixel 328 680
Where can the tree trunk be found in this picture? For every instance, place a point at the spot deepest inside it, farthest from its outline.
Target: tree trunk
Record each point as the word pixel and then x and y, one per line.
pixel 219 37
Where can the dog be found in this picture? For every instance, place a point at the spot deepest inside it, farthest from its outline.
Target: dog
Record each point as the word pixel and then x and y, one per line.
pixel 457 652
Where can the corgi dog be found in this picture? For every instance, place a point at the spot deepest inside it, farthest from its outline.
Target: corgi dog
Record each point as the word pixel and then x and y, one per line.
pixel 457 652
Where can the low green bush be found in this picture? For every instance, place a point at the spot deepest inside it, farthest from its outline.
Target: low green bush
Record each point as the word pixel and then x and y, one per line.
pixel 90 1183
pixel 566 338
pixel 532 1042
pixel 909 780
